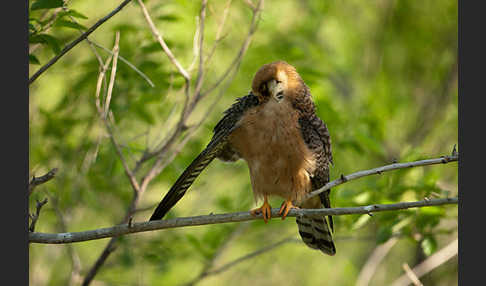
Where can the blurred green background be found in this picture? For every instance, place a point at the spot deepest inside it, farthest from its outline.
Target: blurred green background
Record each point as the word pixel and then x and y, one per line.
pixel 383 75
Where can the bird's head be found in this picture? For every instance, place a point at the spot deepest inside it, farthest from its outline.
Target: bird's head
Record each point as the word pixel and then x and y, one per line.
pixel 277 81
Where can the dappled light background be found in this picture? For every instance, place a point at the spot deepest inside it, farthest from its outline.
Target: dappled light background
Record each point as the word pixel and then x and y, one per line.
pixel 383 75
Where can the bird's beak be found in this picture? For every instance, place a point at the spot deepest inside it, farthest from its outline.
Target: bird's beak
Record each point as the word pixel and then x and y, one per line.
pixel 276 90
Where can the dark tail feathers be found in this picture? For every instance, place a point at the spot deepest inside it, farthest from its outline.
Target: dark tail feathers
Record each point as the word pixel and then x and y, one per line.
pixel 315 234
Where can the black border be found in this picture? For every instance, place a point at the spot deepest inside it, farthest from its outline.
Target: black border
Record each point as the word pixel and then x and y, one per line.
pixel 472 63
pixel 15 141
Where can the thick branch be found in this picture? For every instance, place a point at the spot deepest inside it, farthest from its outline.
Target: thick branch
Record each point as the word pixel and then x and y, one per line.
pixel 57 238
pixel 77 41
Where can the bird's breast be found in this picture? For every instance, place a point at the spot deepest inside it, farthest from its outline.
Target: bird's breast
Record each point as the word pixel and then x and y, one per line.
pixel 269 139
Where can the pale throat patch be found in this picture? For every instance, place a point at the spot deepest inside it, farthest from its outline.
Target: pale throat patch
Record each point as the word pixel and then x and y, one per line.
pixel 278 86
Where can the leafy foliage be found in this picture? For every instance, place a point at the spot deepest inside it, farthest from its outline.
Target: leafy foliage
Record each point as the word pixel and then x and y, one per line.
pixel 383 75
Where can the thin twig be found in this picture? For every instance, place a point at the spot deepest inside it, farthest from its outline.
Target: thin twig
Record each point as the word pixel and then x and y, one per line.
pixel 77 41
pixel 374 260
pixel 92 45
pixel 251 255
pixel 111 246
pixel 222 247
pixel 116 50
pixel 75 260
pixel 34 182
pixel 122 229
pixel 233 67
pixel 200 73
pixel 132 66
pixel 411 275
pixel 81 30
pixel 35 217
pixel 219 31
pixel 162 43
pixel 244 47
pixel 181 123
pixel 379 170
pixel 429 264
pixel 103 114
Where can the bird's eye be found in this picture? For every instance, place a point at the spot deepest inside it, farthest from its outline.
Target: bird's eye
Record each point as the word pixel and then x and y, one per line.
pixel 278 81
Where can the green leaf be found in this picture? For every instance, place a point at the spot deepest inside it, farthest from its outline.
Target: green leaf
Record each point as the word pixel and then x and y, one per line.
pixel 168 18
pixel 33 60
pixel 32 28
pixel 46 4
pixel 429 245
pixel 69 24
pixel 76 14
pixel 47 40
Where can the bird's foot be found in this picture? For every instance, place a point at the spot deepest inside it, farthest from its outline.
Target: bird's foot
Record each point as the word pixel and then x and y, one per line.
pixel 265 210
pixel 285 208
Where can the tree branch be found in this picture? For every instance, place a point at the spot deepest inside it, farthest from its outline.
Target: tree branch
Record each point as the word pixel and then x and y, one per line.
pixel 103 111
pixel 35 216
pixel 411 275
pixel 244 47
pixel 442 160
pixel 162 43
pixel 430 263
pixel 77 41
pixel 122 229
pixel 250 255
pixel 34 182
pixel 374 260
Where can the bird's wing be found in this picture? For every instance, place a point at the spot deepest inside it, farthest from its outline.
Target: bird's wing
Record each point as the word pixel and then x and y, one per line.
pixel 315 231
pixel 217 144
pixel 317 138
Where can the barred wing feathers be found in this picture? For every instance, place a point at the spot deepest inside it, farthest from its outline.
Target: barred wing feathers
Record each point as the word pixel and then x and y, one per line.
pixel 215 147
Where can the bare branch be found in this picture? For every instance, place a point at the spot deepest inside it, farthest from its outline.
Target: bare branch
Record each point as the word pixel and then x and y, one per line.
pixel 251 255
pixel 99 262
pixel 75 260
pixel 35 216
pixel 219 31
pixel 233 67
pixel 374 261
pixel 111 246
pixel 162 43
pixel 411 275
pixel 122 229
pixel 132 66
pixel 92 45
pixel 77 41
pixel 34 182
pixel 103 114
pixel 206 271
pixel 200 73
pixel 429 264
pixel 244 47
pixel 379 170
pixel 116 50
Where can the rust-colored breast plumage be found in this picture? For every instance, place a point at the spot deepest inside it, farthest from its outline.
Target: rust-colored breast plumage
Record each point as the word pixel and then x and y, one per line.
pixel 269 139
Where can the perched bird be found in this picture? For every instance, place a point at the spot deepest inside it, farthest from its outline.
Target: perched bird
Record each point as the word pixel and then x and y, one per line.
pixel 286 145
